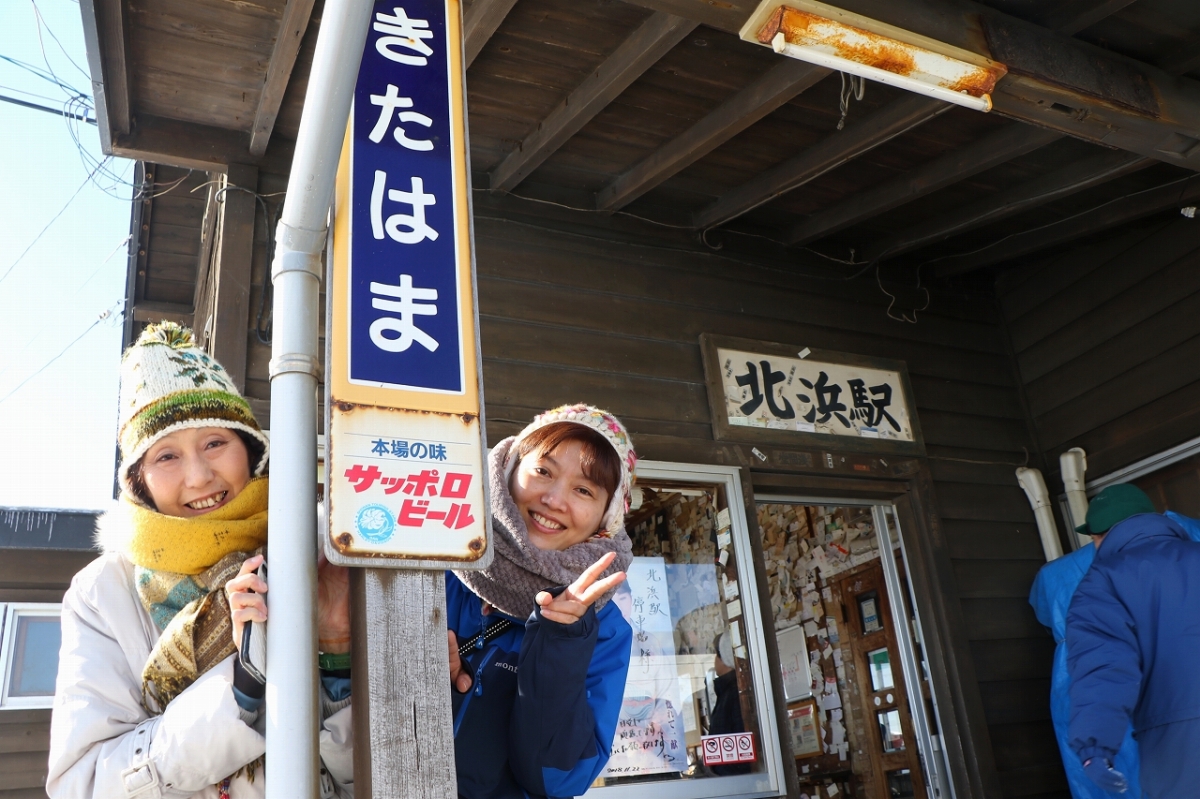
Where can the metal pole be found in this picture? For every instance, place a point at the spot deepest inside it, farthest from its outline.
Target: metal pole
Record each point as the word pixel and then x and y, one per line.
pixel 292 707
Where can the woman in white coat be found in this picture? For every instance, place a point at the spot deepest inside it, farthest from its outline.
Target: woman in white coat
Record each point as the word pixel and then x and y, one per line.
pixel 151 699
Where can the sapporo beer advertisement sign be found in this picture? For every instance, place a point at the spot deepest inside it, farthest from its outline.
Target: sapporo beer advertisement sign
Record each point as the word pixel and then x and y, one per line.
pixel 405 475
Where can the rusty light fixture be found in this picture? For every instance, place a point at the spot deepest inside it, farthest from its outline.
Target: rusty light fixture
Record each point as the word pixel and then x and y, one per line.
pixel 831 37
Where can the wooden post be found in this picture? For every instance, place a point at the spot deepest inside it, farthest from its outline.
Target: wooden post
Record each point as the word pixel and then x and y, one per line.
pixel 231 304
pixel 404 747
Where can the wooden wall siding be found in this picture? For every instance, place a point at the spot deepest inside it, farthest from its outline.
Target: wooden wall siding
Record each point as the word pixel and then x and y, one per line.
pixel 566 316
pixel 1107 337
pixel 174 240
pixel 31 575
pixel 271 186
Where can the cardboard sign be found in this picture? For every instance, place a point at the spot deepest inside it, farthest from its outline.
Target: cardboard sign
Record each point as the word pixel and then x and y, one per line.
pixel 406 484
pixel 737 747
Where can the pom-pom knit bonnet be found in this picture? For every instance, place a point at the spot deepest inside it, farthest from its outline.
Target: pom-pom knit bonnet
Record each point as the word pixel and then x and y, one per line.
pixel 169 384
pixel 614 432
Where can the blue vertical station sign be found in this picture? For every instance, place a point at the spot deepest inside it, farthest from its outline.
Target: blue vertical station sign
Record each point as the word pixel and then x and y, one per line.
pixel 405 483
pixel 405 320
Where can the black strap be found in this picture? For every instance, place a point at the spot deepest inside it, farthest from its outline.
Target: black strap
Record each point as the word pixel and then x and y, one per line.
pixel 481 640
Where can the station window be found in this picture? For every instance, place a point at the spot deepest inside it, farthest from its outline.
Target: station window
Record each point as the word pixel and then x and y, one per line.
pixel 698 714
pixel 30 637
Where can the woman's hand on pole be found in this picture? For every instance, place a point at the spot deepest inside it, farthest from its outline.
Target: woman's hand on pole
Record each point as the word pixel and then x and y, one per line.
pixel 246 602
pixel 333 607
pixel 460 678
pixel 569 606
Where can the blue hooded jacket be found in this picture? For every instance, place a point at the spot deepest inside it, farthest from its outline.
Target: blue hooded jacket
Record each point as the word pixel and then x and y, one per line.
pixel 1051 596
pixel 541 713
pixel 1133 638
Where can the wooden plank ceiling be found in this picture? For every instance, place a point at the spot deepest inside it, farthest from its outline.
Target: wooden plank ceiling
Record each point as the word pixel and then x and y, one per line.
pixel 655 108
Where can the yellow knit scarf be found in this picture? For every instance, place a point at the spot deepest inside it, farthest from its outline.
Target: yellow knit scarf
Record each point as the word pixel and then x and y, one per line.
pixel 191 545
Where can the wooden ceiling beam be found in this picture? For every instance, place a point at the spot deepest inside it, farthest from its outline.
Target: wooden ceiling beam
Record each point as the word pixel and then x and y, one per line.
pixel 108 62
pixel 974 158
pixel 190 145
pixel 1054 80
pixel 779 85
pixel 865 134
pixel 1112 214
pixel 644 47
pixel 1183 58
pixel 481 21
pixel 296 15
pixel 1005 144
pixel 1077 176
pixel 1075 15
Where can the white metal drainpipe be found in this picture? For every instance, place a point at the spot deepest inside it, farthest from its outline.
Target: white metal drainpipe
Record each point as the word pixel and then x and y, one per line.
pixel 1035 488
pixel 292 705
pixel 1073 466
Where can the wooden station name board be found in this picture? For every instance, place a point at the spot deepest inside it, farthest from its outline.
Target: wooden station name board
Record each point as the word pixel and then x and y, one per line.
pixel 791 395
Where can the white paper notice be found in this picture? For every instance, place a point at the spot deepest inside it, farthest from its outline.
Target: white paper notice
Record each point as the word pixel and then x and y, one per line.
pixel 723 519
pixel 731 590
pixel 723 539
pixel 734 609
pixel 735 633
pixel 651 732
pixel 810 629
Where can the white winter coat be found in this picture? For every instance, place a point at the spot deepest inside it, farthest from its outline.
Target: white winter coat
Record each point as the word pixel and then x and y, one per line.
pixel 103 743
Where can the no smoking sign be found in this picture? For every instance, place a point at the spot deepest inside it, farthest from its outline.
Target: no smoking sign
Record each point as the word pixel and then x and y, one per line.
pixel 735 747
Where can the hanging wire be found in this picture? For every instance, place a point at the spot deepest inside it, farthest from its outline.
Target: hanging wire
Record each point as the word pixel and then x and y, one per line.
pixel 54 219
pixel 41 73
pixel 262 330
pixel 41 22
pixel 108 313
pixel 13 358
pixel 856 88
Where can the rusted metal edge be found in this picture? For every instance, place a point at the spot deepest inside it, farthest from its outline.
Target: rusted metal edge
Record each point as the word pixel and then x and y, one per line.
pixel 889 54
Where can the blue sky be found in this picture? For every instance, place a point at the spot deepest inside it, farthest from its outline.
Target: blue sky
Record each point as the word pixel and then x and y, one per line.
pixel 59 428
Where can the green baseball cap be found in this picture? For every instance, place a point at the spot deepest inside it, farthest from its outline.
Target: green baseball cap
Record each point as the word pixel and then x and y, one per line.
pixel 1113 505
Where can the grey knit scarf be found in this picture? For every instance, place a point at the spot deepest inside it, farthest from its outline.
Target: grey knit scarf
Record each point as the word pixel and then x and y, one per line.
pixel 520 570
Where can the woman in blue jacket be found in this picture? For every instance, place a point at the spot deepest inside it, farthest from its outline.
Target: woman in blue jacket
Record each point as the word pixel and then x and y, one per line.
pixel 538 653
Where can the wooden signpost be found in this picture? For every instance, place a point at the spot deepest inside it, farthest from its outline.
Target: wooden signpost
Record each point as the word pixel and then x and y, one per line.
pixel 406 490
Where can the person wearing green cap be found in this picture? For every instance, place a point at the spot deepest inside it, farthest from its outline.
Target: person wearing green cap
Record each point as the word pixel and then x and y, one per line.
pixel 1133 641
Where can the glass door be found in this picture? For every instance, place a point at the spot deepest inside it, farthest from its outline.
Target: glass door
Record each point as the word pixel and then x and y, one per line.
pixel 836 575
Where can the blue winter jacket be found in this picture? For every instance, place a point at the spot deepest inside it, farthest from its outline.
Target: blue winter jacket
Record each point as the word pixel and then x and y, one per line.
pixel 1051 596
pixel 541 714
pixel 1133 641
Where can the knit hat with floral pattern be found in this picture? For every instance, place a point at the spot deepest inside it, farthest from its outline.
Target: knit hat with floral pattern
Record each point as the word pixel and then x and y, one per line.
pixel 614 432
pixel 168 384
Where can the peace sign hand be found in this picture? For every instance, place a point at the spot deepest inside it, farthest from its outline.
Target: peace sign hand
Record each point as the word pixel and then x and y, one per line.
pixel 569 606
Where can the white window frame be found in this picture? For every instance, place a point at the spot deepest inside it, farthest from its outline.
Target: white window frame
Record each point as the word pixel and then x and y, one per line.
pixel 9 613
pixel 769 782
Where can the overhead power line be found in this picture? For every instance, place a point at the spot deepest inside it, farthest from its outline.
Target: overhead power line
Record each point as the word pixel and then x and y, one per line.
pixel 61 211
pixel 104 315
pixel 59 111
